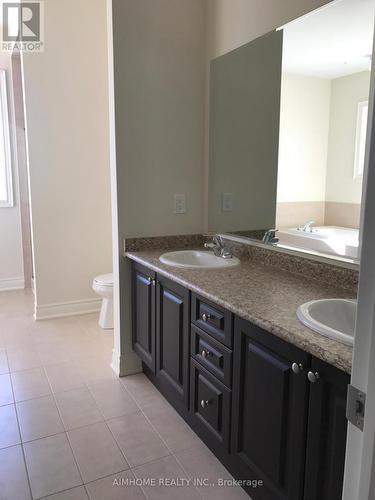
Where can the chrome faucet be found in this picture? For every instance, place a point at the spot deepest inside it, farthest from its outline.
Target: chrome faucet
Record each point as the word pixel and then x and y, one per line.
pixel 217 246
pixel 307 227
pixel 269 237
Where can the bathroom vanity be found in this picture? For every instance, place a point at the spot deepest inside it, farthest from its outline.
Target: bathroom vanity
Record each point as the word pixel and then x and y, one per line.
pixel 265 394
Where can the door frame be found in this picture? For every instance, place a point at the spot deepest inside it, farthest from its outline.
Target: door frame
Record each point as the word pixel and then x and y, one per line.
pixel 359 479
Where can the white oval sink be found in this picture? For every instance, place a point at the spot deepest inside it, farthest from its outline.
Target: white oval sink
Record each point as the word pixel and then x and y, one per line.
pixel 333 318
pixel 197 259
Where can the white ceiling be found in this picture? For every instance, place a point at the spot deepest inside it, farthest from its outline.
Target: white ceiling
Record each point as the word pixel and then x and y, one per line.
pixel 331 42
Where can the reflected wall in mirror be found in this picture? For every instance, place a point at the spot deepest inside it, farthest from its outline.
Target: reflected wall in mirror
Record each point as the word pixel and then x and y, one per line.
pixel 323 117
pixel 288 118
pixel 244 132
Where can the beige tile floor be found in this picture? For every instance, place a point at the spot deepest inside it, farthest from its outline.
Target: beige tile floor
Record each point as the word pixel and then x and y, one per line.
pixel 71 430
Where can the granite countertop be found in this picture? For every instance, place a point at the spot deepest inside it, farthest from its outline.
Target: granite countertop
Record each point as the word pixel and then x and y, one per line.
pixel 266 296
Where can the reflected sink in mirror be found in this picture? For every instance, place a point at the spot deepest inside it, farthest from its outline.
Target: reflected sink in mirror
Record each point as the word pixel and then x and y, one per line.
pixel 197 259
pixel 333 318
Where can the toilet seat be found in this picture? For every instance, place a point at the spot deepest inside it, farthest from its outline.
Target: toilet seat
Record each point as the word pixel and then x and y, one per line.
pixel 104 280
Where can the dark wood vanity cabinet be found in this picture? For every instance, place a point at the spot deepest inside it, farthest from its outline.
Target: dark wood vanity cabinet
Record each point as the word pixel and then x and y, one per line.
pixel 161 316
pixel 288 431
pixel 244 391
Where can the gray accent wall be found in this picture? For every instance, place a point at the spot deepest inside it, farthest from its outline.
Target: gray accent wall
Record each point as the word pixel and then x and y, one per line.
pixel 245 86
pixel 159 72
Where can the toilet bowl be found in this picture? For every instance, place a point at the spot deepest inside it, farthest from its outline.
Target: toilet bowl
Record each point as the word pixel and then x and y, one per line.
pixel 103 286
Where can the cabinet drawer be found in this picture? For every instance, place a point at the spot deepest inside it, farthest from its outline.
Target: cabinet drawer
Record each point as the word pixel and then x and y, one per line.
pixel 210 404
pixel 212 355
pixel 213 319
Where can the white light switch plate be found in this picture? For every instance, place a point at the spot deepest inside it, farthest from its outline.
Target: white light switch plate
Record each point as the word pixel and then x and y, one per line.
pixel 227 202
pixel 180 203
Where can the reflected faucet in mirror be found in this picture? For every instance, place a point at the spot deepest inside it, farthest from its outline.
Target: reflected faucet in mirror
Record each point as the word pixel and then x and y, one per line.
pixel 269 237
pixel 307 227
pixel 217 246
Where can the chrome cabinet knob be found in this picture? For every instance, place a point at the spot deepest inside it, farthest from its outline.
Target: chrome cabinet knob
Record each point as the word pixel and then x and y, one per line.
pixel 313 377
pixel 205 354
pixel 152 281
pixel 204 403
pixel 297 368
pixel 206 317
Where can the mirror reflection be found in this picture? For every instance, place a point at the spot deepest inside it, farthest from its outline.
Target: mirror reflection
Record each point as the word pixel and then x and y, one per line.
pixel 288 120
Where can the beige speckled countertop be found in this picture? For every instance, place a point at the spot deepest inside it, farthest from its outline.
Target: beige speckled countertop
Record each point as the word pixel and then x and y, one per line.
pixel 263 295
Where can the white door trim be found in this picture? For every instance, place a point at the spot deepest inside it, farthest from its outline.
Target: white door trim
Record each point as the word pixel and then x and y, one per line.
pixel 359 480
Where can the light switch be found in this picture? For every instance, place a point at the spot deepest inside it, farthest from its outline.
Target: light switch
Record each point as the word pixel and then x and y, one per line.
pixel 180 203
pixel 227 202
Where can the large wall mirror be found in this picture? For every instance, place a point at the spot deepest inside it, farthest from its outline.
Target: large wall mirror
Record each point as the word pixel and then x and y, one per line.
pixel 288 120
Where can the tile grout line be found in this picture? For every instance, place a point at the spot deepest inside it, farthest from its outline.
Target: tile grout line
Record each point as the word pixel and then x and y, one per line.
pixel 42 366
pixel 21 444
pixel 62 423
pixel 164 442
pixel 87 384
pixel 149 421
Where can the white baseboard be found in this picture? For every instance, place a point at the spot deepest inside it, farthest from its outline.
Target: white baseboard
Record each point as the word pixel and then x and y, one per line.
pixel 125 364
pixel 12 284
pixel 62 309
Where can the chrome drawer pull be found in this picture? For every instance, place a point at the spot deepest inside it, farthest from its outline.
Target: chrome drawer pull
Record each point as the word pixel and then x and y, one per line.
pixel 297 368
pixel 206 317
pixel 205 354
pixel 204 403
pixel 313 377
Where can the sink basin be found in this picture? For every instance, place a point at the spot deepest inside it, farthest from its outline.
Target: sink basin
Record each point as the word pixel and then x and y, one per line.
pixel 197 259
pixel 333 318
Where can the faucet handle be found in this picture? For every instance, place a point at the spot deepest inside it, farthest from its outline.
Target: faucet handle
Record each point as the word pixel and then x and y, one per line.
pixel 217 239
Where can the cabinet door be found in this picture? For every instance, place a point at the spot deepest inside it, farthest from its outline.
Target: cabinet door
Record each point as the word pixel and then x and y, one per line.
pixel 172 339
pixel 144 314
pixel 326 438
pixel 269 413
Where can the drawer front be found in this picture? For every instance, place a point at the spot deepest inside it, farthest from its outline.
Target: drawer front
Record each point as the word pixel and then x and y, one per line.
pixel 212 355
pixel 210 406
pixel 213 319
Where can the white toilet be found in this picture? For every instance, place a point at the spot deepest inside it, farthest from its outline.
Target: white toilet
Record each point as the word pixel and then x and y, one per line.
pixel 103 286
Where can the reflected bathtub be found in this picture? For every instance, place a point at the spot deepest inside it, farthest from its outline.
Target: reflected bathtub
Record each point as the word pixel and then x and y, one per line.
pixel 326 239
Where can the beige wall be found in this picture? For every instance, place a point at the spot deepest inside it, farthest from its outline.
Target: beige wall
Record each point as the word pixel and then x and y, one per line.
pixel 297 213
pixel 304 129
pixel 66 93
pixel 342 214
pixel 347 92
pixel 159 57
pixel 317 146
pixel 11 260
